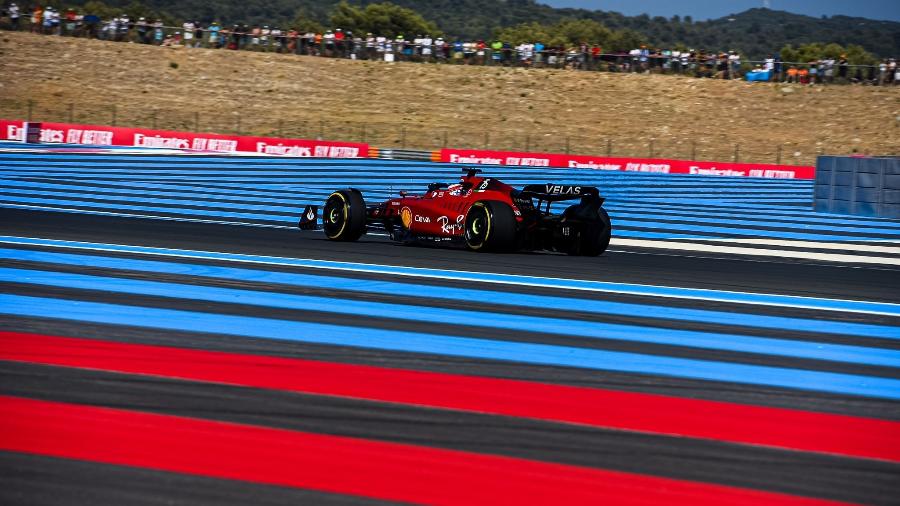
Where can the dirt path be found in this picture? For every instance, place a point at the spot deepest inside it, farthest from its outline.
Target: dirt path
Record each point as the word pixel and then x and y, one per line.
pixel 427 106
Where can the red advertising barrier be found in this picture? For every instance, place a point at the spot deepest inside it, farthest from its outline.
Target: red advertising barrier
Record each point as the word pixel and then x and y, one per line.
pixel 142 137
pixel 652 165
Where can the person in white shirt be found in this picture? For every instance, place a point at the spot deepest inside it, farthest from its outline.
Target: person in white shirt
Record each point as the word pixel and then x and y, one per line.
pixel 734 65
pixel 188 33
pixel 439 48
pixel 426 46
pixel 14 15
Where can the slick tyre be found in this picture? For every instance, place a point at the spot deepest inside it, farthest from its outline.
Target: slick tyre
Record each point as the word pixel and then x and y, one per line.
pixel 595 238
pixel 490 226
pixel 344 215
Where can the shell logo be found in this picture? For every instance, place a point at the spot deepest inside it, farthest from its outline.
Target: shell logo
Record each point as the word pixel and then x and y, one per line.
pixel 406 216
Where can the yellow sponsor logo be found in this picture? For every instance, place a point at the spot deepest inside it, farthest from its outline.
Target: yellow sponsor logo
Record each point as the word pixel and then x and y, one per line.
pixel 406 216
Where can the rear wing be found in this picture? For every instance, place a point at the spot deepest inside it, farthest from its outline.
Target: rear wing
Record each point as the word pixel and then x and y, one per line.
pixel 551 192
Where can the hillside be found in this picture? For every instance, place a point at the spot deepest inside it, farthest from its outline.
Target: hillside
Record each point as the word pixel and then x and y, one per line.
pixel 427 106
pixel 756 32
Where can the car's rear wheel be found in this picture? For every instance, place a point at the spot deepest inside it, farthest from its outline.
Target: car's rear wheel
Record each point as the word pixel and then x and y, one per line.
pixel 490 226
pixel 344 215
pixel 596 235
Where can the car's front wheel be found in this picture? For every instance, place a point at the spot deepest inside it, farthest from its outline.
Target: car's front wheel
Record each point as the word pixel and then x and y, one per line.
pixel 490 226
pixel 344 215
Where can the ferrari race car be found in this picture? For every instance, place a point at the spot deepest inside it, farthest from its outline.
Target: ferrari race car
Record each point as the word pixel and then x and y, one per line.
pixel 483 213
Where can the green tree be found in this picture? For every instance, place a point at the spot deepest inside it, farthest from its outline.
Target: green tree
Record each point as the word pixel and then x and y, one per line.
pixel 303 23
pixel 856 55
pixel 383 18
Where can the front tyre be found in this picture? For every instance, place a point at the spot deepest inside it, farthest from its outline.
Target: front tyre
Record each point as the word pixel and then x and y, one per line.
pixel 490 226
pixel 344 215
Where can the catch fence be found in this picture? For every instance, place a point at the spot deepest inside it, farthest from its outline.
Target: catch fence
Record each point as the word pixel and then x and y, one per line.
pixel 405 136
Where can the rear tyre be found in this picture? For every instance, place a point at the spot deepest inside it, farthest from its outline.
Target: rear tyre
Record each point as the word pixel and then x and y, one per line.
pixel 595 238
pixel 490 226
pixel 344 215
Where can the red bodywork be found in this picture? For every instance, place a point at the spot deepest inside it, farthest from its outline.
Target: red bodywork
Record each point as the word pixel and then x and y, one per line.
pixel 442 212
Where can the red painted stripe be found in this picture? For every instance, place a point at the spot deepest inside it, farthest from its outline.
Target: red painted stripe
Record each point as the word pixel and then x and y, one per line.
pixel 336 464
pixel 782 428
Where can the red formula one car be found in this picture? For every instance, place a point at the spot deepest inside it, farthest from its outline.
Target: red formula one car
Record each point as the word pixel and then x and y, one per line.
pixel 483 213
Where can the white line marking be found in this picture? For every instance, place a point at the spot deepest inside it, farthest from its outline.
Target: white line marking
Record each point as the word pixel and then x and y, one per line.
pixel 816 245
pixel 734 250
pixel 615 241
pixel 734 297
pixel 148 216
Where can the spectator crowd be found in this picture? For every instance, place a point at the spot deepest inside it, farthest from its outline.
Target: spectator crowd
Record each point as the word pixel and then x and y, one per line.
pixel 338 43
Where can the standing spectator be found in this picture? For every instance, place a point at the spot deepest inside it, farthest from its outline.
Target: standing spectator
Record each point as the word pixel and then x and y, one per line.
pixel 71 19
pixel 539 56
pixel 370 46
pixel 842 68
pixel 265 39
pixel 328 42
pixel 803 75
pixel 293 36
pixel 188 27
pixel 792 74
pixel 440 49
pixel 158 33
pixel 828 70
pixel 37 19
pixel 198 34
pixel 427 47
pixel 14 16
pixel 882 72
pixel 734 60
pixel 277 39
pixel 339 38
pixel 48 15
pixel 813 72
pixel 143 30
pixel 124 27
pixel 458 50
pixel 214 30
pixel 496 52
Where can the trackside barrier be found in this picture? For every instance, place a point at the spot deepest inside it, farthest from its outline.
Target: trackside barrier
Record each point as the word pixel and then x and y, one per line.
pixel 219 143
pixel 405 154
pixel 652 165
pixel 208 142
pixel 863 186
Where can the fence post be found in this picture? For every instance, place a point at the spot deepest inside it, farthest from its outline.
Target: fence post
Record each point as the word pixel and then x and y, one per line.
pixel 196 121
pixel 778 155
pixel 608 147
pixel 487 139
pixel 737 153
pixel 30 108
pixel 114 115
pixel 71 112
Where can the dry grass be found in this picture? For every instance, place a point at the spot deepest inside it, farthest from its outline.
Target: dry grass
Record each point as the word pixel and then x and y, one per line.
pixel 426 106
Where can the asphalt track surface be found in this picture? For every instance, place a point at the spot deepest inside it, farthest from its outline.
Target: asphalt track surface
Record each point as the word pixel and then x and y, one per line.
pixel 655 376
